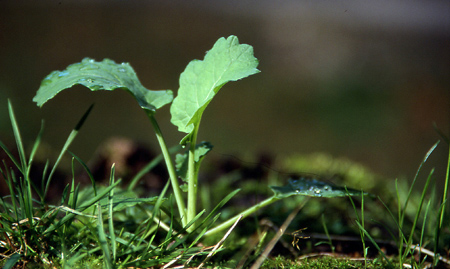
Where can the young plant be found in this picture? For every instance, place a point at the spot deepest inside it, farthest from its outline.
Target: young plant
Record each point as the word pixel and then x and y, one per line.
pixel 199 83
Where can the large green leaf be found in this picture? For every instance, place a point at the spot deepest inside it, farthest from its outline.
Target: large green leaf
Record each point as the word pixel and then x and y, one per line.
pixel 312 187
pixel 201 80
pixel 104 75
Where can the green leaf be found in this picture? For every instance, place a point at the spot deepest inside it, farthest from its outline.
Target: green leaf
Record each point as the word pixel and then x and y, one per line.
pixel 104 75
pixel 312 187
pixel 201 80
pixel 12 261
pixel 181 159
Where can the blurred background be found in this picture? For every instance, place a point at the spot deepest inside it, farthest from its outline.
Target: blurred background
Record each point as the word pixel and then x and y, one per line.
pixel 364 80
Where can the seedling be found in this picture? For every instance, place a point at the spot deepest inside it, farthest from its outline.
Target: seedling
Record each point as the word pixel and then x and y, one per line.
pixel 34 230
pixel 199 83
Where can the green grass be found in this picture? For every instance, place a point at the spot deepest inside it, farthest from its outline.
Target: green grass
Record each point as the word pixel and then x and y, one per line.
pixel 82 227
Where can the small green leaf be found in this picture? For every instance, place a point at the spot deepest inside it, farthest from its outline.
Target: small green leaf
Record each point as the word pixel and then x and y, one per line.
pixel 104 75
pixel 12 261
pixel 312 187
pixel 181 159
pixel 201 80
pixel 201 150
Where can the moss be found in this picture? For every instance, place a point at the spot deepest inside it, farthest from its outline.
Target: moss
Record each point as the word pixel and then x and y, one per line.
pixel 322 262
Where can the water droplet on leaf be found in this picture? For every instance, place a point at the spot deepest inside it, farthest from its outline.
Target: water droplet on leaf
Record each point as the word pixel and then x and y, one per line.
pixel 46 81
pixel 122 70
pixel 62 74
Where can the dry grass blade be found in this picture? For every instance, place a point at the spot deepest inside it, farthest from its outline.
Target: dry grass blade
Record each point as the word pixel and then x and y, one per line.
pixel 213 251
pixel 172 262
pixel 277 237
pixel 429 253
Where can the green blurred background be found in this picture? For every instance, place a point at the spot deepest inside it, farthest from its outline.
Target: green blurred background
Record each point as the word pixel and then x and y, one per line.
pixel 363 80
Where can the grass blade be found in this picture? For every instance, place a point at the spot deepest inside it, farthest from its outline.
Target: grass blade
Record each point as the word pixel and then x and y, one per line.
pixel 18 137
pixel 414 180
pixel 69 141
pixel 150 166
pixel 88 171
pixel 10 155
pixel 26 198
pixel 110 215
pixel 422 198
pixel 401 235
pixel 35 146
pixel 82 207
pixel 102 240
pixel 443 203
pixel 374 243
pixel 424 222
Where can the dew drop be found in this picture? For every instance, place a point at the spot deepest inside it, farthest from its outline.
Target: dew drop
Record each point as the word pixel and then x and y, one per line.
pixel 297 190
pixel 183 146
pixel 46 81
pixel 311 188
pixel 90 80
pixel 317 191
pixel 326 188
pixel 62 74
pixel 122 70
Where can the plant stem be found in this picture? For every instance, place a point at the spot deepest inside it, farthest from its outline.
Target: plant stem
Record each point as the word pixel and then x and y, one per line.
pixel 192 179
pixel 246 213
pixel 170 168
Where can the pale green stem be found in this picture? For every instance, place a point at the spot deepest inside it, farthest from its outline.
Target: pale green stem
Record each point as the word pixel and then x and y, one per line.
pixel 244 214
pixel 171 169
pixel 192 179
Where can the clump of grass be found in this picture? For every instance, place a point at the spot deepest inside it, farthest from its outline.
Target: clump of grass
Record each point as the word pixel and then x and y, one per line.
pixel 412 240
pixel 84 228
